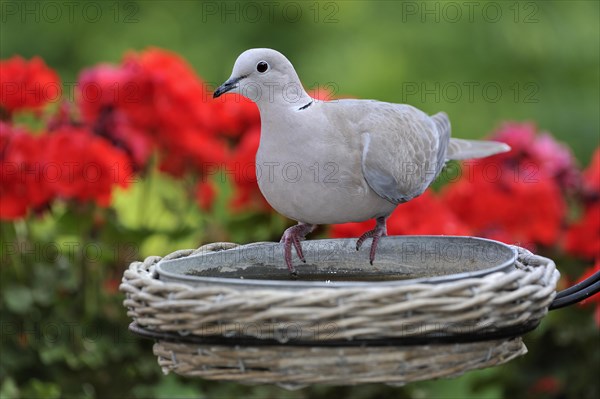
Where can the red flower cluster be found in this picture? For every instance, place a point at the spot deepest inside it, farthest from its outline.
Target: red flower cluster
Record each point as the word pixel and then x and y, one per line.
pixel 26 84
pixel 104 94
pixel 236 115
pixel 512 211
pixel 69 163
pixel 153 100
pixel 66 161
pixel 20 153
pixel 516 196
pixel 537 154
pixel 591 177
pixel 583 236
pixel 548 385
pixel 84 167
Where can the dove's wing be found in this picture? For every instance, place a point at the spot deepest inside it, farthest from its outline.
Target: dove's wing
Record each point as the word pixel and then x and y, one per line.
pixel 403 150
pixel 442 123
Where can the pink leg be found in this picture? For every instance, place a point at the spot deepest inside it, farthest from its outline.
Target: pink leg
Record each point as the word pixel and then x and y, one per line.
pixel 292 236
pixel 378 232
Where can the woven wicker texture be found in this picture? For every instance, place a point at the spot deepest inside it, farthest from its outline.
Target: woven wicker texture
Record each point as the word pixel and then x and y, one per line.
pixel 472 305
pixel 295 367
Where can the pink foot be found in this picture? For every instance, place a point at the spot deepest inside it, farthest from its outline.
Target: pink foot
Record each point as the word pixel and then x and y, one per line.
pixel 292 236
pixel 378 232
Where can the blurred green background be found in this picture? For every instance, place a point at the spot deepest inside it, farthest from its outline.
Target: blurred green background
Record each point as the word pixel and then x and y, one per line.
pixel 483 62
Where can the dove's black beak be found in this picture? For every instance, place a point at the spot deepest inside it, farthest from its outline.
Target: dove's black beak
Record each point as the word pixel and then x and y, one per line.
pixel 228 85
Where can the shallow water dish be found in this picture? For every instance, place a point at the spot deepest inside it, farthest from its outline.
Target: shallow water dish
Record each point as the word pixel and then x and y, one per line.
pixel 336 263
pixel 429 307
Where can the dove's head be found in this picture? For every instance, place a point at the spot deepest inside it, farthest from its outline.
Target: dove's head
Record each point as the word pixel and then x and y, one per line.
pixel 264 76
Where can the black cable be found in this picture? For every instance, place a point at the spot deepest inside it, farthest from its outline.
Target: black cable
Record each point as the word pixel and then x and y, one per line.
pixel 575 297
pixel 579 286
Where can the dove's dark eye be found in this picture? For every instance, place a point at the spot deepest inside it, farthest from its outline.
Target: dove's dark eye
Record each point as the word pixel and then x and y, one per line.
pixel 262 67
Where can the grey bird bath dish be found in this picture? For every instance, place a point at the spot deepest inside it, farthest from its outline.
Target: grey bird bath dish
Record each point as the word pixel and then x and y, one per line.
pixel 430 307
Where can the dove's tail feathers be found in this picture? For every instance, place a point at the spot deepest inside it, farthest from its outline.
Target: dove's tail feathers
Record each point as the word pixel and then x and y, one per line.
pixel 464 149
pixel 459 149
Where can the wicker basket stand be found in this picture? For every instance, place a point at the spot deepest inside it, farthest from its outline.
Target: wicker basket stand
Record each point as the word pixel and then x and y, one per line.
pixel 390 334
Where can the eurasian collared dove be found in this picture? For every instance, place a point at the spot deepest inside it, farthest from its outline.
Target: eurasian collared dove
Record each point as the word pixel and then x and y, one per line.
pixel 327 162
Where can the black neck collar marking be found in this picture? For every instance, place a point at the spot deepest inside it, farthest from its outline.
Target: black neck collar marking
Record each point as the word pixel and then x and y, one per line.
pixel 305 106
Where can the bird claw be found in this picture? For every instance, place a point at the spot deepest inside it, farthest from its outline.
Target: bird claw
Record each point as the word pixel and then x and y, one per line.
pixel 298 247
pixel 363 238
pixel 291 237
pixel 378 232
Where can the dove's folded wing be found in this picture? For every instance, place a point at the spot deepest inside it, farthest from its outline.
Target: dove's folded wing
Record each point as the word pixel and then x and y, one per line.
pixel 403 151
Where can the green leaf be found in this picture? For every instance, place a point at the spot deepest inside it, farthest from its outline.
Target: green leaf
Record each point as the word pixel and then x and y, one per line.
pixel 18 298
pixel 53 354
pixel 169 387
pixel 9 389
pixel 42 389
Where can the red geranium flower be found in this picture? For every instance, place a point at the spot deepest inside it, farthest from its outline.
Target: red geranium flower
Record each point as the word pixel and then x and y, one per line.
pixel 516 196
pixel 153 100
pixel 241 170
pixel 234 115
pixel 117 128
pixel 27 84
pixel 186 126
pixel 108 98
pixel 591 176
pixel 21 172
pixel 583 236
pixel 496 205
pixel 83 166
pixel 101 87
pixel 548 385
pixel 535 155
pixel 179 96
pixel 192 150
